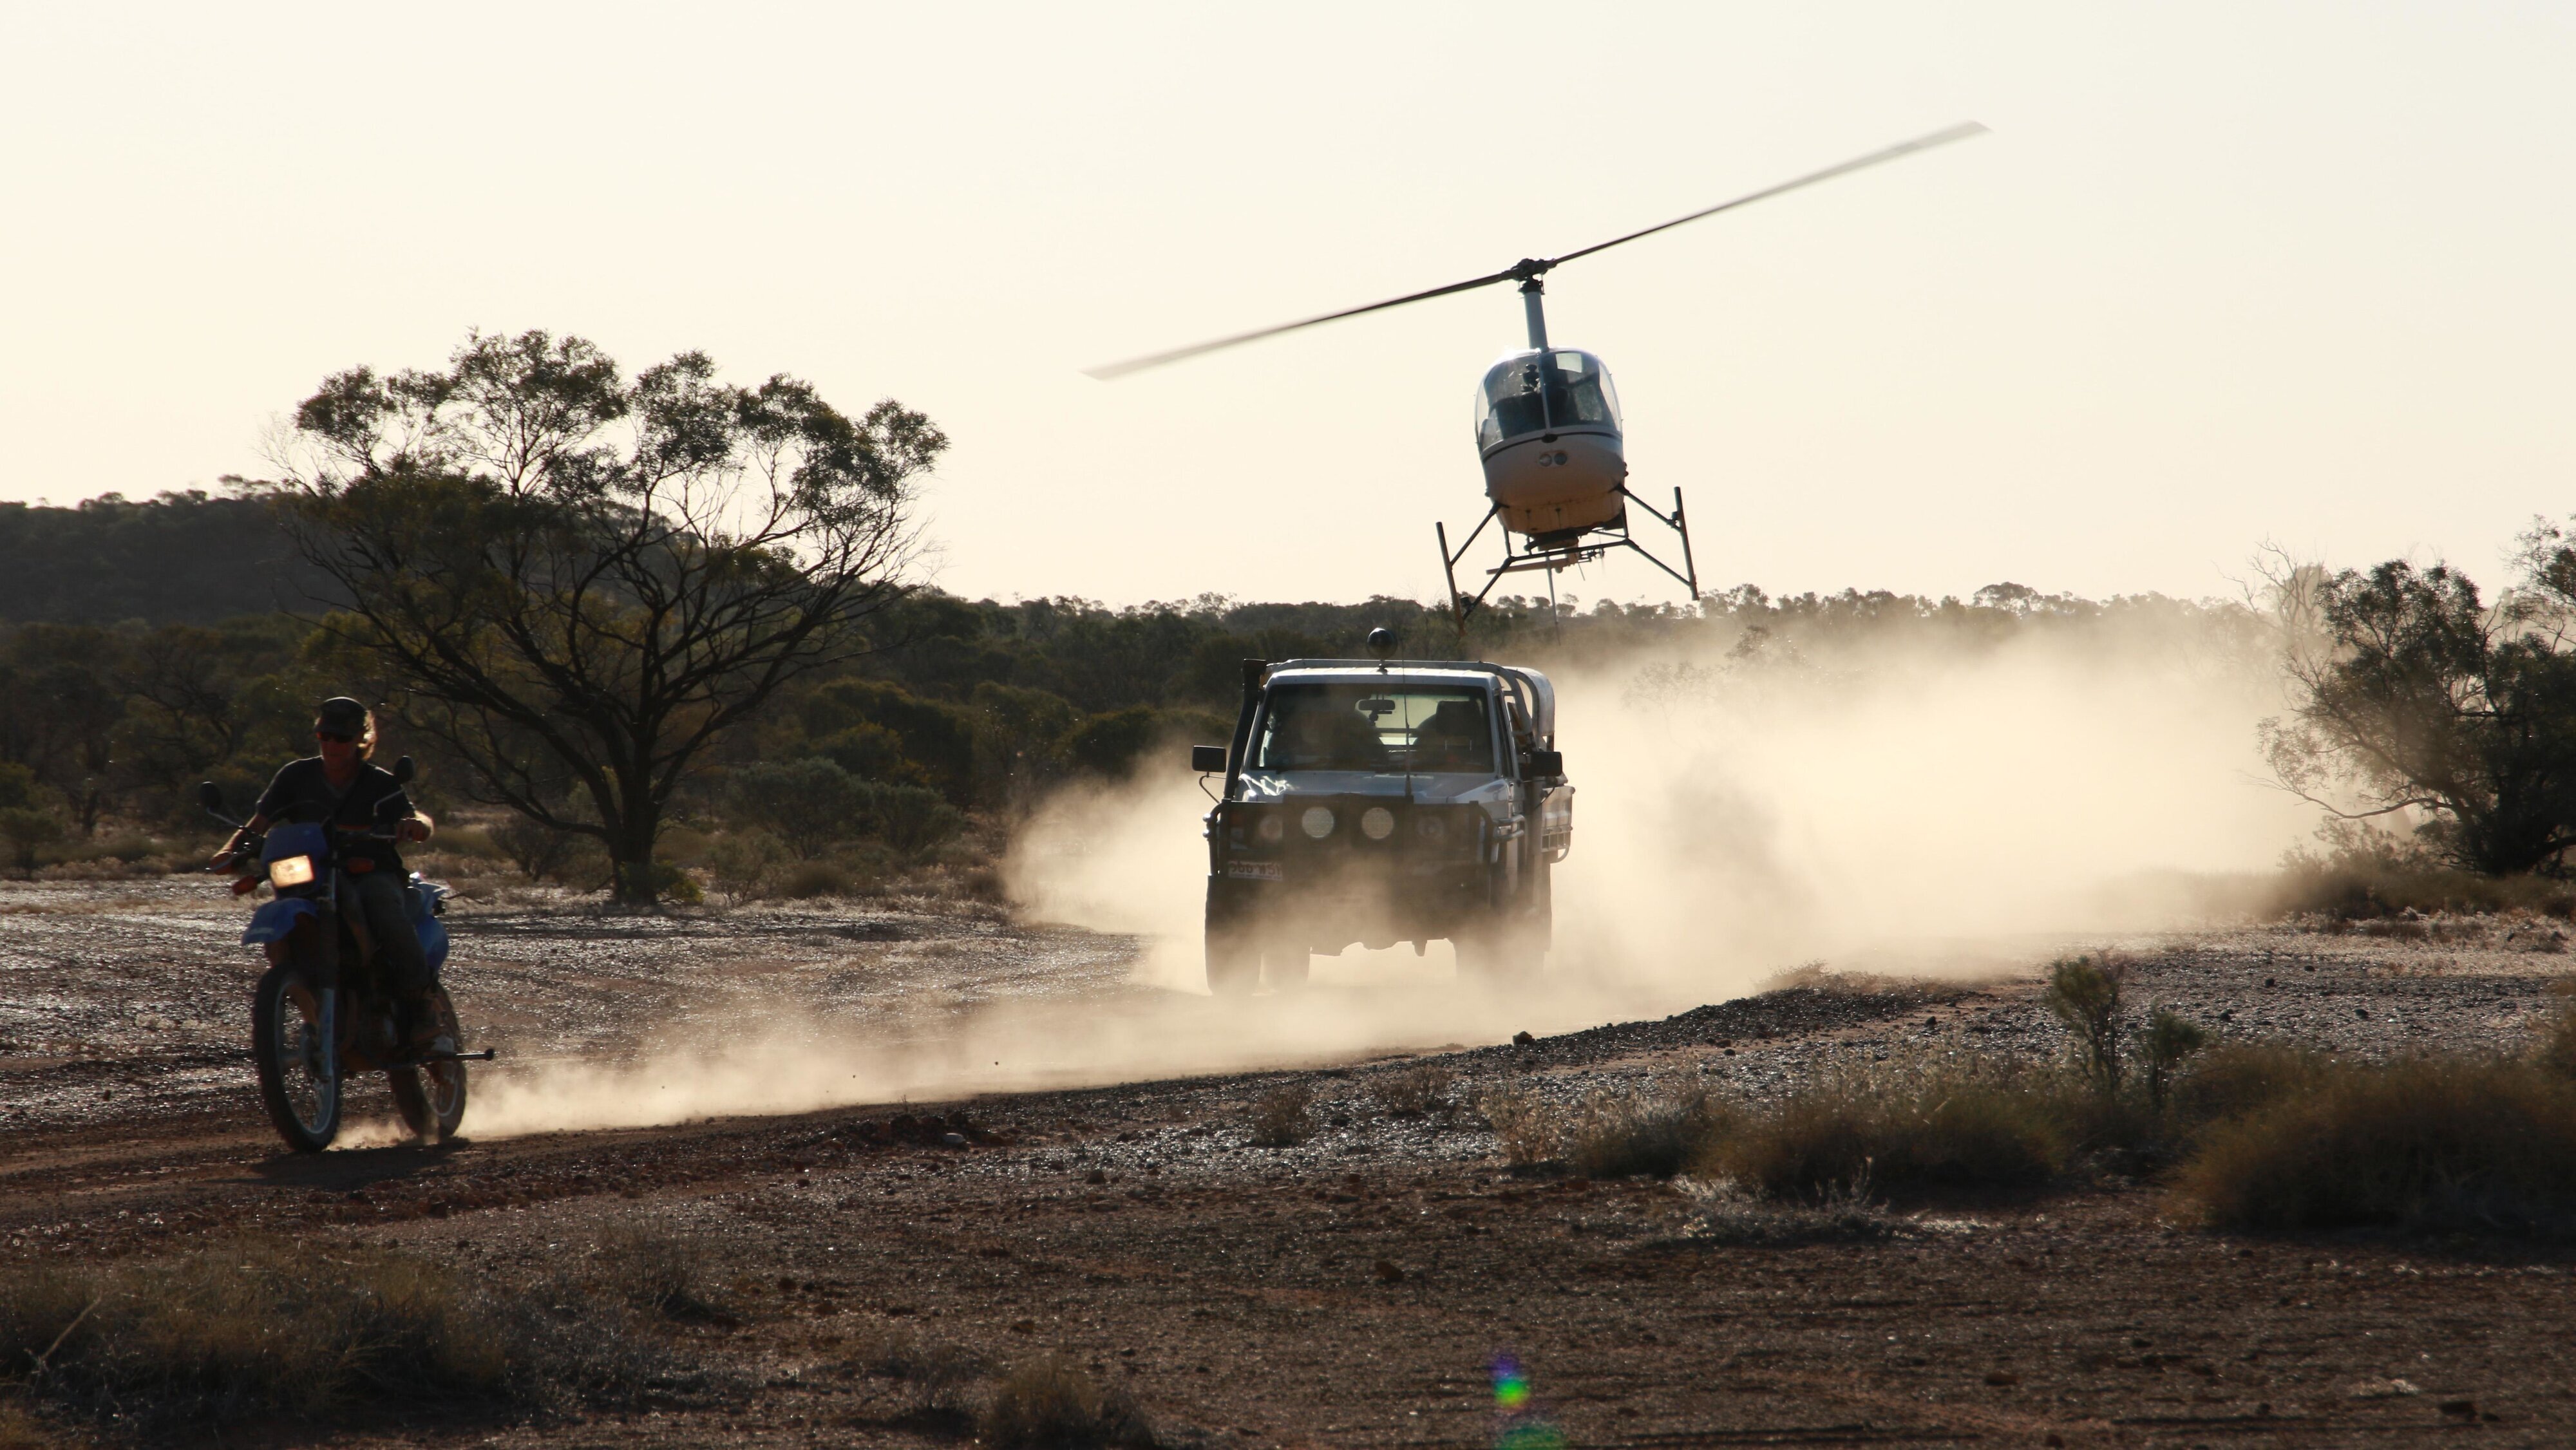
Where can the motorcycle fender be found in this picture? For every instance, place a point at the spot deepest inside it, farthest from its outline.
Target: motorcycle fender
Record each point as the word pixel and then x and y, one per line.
pixel 433 942
pixel 276 920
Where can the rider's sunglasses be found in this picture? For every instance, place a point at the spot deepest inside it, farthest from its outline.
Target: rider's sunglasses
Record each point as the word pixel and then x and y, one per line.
pixel 335 737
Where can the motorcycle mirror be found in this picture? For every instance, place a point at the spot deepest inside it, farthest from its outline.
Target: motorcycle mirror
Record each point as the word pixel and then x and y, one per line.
pixel 404 770
pixel 210 795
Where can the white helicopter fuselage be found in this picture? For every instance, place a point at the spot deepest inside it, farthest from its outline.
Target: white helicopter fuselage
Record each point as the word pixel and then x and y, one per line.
pixel 1549 483
pixel 1547 425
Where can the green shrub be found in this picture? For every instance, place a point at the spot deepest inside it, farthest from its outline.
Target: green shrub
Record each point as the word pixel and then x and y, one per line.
pixel 2424 1143
pixel 2084 996
pixel 746 864
pixel 2169 1041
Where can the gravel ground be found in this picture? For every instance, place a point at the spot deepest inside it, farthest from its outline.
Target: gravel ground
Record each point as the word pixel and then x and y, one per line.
pixel 1353 1289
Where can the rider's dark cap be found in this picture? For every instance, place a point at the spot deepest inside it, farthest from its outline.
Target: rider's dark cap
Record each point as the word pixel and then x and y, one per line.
pixel 341 716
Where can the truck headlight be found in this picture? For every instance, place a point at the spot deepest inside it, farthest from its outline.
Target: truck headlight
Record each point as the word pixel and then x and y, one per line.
pixel 1271 828
pixel 1317 822
pixel 1427 826
pixel 291 871
pixel 1377 823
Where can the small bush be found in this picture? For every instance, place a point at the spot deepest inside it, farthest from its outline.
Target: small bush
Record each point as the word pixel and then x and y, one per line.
pixel 659 1274
pixel 2425 1143
pixel 2169 1041
pixel 939 1374
pixel 1908 1130
pixel 808 879
pixel 2556 1052
pixel 2237 1078
pixel 2084 996
pixel 1528 1130
pixel 1281 1120
pixel 538 850
pixel 1050 1403
pixel 1413 1091
pixel 2363 886
pixel 746 864
pixel 1625 1136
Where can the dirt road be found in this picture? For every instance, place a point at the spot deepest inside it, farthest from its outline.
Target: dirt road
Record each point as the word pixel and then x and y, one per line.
pixel 1354 1289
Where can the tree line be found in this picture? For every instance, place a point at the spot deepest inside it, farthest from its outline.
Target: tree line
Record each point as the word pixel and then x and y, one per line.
pixel 597 599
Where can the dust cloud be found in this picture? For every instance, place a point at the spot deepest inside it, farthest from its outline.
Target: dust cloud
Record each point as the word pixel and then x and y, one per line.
pixel 1900 806
pixel 1888 806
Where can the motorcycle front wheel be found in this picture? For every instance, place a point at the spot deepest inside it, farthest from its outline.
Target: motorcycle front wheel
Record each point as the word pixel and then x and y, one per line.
pixel 431 1097
pixel 301 1096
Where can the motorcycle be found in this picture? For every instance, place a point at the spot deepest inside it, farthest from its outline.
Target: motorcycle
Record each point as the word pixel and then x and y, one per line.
pixel 321 1016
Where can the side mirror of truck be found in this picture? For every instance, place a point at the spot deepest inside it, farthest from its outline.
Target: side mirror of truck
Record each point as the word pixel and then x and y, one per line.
pixel 1547 764
pixel 1207 759
pixel 404 770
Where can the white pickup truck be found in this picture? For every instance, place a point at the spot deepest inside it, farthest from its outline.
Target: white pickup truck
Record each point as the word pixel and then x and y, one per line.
pixel 1384 801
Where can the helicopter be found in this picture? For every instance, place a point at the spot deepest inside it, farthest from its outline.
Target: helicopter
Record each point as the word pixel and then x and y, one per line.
pixel 1548 428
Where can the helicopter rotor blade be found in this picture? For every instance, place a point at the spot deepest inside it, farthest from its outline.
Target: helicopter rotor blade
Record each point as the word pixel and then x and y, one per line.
pixel 1527 270
pixel 1138 364
pixel 1942 137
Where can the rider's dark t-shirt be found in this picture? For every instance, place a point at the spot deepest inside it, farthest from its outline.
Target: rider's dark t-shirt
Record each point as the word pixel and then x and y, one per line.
pixel 303 792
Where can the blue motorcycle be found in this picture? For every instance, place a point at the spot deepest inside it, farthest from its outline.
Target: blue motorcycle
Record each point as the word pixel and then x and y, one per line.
pixel 323 1012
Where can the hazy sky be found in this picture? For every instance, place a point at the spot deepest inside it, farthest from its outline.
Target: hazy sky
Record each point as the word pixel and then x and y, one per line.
pixel 2225 272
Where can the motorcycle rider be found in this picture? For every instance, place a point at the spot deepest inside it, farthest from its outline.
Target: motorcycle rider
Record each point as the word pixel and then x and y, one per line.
pixel 343 788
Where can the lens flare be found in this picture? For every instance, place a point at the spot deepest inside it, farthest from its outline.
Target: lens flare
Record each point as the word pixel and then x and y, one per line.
pixel 1511 1385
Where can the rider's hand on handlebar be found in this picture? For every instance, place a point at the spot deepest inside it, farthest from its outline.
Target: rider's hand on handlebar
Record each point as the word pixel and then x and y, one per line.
pixel 413 829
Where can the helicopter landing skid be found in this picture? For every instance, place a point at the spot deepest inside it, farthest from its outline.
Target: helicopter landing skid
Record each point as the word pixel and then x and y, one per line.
pixel 1559 553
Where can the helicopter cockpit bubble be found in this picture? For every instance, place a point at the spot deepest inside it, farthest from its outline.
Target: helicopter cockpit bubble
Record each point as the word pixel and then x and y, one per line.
pixel 1537 392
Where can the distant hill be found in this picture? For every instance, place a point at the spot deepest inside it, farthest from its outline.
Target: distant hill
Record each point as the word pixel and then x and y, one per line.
pixel 182 557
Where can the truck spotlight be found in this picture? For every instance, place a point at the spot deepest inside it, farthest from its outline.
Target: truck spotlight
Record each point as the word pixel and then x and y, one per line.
pixel 1377 823
pixel 1318 822
pixel 1271 828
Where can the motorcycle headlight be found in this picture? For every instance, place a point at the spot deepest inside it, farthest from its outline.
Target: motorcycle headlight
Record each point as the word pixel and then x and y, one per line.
pixel 1317 822
pixel 291 871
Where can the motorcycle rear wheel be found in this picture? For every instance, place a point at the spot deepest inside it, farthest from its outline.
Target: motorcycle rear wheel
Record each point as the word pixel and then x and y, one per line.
pixel 431 1097
pixel 302 1099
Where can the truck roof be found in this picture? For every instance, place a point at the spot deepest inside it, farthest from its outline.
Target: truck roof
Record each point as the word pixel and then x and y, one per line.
pixel 1537 694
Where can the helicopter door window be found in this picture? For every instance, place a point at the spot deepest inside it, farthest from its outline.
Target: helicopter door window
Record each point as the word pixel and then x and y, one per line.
pixel 1509 404
pixel 1578 391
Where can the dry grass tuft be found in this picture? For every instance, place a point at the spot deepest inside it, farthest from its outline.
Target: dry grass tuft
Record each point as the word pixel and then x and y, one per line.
pixel 1051 1403
pixel 2556 1052
pixel 1280 1119
pixel 1724 1215
pixel 940 1374
pixel 1910 1129
pixel 1653 1135
pixel 261 1329
pixel 1528 1130
pixel 660 1274
pixel 2431 1143
pixel 1414 1091
pixel 22 1430
pixel 257 1327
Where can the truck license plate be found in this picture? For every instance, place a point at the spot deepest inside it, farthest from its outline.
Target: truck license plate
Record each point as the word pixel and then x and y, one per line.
pixel 1253 870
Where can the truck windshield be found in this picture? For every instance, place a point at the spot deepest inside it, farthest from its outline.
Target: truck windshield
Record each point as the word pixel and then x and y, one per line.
pixel 1375 728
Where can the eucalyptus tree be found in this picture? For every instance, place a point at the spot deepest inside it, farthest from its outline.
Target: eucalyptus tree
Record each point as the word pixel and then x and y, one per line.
pixel 575 582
